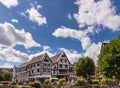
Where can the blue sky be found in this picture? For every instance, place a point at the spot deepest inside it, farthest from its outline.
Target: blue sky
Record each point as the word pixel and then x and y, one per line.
pixel 77 27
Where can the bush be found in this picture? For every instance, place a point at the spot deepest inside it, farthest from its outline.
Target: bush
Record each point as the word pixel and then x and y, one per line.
pixel 114 81
pixel 62 80
pixel 107 80
pixel 81 81
pixel 31 83
pixel 95 81
pixel 47 81
pixel 37 84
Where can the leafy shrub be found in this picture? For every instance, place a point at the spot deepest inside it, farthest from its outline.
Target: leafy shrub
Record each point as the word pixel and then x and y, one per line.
pixel 47 81
pixel 62 80
pixel 107 80
pixel 37 84
pixel 81 81
pixel 31 83
pixel 114 81
pixel 95 81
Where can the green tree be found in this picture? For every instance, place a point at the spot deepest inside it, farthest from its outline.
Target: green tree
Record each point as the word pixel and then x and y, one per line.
pixel 84 67
pixel 5 75
pixel 109 59
pixel 1 78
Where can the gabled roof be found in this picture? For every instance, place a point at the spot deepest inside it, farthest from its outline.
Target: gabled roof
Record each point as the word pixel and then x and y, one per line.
pixel 37 58
pixel 34 60
pixel 23 65
pixel 55 58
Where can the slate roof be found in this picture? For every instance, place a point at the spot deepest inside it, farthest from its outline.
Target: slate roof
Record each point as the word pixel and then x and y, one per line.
pixel 33 60
pixel 55 58
pixel 23 65
pixel 37 58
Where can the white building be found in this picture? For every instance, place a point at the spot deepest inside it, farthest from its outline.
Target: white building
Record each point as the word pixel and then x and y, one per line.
pixel 42 66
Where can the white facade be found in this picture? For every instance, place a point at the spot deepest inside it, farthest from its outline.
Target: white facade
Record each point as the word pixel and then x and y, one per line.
pixel 43 67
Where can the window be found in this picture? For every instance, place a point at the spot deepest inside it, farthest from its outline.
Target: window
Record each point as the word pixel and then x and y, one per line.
pixel 44 64
pixel 38 70
pixel 46 60
pixel 63 55
pixel 48 65
pixel 37 64
pixel 48 70
pixel 32 71
pixel 28 67
pixel 65 60
pixel 66 66
pixel 44 70
pixel 54 72
pixel 60 65
pixel 61 60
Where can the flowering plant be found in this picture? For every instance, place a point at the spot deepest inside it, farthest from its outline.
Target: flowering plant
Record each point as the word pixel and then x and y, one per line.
pixel 62 80
pixel 95 81
pixel 81 81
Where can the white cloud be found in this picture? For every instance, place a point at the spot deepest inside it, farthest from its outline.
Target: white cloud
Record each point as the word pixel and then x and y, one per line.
pixel 68 32
pixel 91 49
pixel 72 55
pixel 46 49
pixel 10 36
pixel 97 13
pixel 6 65
pixel 39 7
pixel 14 20
pixel 69 16
pixel 76 34
pixel 35 16
pixel 23 14
pixel 91 14
pixel 12 55
pixel 9 3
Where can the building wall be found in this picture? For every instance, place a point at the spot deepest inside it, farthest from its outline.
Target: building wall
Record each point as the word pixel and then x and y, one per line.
pixel 45 69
